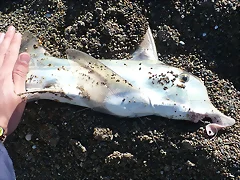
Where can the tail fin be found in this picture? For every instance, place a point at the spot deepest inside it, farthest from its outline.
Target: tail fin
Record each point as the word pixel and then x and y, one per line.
pixel 31 45
pixel 39 56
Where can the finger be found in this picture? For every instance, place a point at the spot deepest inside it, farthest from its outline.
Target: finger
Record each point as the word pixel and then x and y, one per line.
pixel 12 53
pixel 2 35
pixel 6 43
pixel 20 72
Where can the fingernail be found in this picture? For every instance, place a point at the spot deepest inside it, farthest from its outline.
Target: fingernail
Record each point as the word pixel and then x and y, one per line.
pixel 11 28
pixel 19 34
pixel 2 35
pixel 24 58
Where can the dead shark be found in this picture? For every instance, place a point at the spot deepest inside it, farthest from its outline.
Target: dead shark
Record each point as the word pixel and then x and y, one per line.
pixel 141 86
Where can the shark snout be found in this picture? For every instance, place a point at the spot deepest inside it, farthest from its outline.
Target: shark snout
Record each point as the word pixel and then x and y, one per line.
pixel 219 121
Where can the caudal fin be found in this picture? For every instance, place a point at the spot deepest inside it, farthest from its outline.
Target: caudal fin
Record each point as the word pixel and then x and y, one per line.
pixel 39 56
pixel 31 45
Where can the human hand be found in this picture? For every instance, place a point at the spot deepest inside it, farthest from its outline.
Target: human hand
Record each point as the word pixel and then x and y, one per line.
pixel 13 71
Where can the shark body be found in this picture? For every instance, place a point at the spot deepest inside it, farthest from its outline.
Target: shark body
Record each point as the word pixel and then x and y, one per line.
pixel 137 87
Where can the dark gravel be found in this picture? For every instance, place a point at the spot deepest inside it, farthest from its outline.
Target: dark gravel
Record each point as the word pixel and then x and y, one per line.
pixel 60 141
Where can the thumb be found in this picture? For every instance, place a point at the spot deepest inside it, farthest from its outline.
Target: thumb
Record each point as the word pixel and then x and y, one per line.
pixel 20 72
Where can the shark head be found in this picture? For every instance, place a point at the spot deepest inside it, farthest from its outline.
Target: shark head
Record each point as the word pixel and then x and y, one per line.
pixel 177 94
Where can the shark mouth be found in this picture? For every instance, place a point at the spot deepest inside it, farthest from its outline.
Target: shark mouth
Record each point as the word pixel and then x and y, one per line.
pixel 219 121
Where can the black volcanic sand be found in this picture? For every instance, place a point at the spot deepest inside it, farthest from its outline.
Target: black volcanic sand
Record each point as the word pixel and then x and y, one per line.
pixel 70 142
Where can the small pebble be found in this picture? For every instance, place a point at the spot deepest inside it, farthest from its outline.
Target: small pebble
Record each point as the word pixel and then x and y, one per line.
pixel 190 164
pixel 181 42
pixel 28 137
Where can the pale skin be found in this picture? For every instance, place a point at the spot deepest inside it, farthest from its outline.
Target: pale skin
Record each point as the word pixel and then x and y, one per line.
pixel 13 71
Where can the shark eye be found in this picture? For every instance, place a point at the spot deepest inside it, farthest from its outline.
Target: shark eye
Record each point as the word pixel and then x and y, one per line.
pixel 184 77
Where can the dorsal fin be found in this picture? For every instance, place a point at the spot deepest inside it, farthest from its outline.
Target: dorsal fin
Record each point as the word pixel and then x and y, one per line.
pixel 147 48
